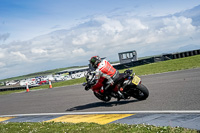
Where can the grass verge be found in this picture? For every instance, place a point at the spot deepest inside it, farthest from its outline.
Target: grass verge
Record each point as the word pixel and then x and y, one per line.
pixel 58 127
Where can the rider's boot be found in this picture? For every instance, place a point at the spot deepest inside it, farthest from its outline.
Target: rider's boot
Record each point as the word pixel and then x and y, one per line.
pixel 118 99
pixel 120 96
pixel 104 90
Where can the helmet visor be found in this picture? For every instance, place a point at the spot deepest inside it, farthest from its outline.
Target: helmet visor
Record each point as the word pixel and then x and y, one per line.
pixel 92 61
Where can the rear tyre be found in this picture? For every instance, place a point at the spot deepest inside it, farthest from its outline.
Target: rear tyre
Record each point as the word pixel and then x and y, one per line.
pixel 140 92
pixel 102 97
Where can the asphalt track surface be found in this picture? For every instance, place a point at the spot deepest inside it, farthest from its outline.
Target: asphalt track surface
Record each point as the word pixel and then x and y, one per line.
pixel 171 91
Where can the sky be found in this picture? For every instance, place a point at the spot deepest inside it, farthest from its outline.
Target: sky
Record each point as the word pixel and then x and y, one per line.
pixel 39 35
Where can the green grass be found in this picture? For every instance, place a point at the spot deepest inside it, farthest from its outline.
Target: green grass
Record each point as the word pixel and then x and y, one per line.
pixel 52 127
pixel 11 91
pixel 159 67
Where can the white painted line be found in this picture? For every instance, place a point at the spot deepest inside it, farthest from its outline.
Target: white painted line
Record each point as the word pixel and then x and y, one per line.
pixel 111 112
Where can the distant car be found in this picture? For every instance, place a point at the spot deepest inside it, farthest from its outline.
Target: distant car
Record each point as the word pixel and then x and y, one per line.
pixel 58 77
pixel 11 83
pixel 50 77
pixel 42 82
pixel 67 77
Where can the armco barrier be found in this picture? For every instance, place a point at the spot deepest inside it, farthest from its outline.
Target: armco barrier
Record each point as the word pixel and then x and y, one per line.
pixel 14 88
pixel 186 54
pixel 157 59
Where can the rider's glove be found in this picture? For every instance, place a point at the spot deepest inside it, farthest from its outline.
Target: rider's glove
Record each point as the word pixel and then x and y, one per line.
pixel 111 82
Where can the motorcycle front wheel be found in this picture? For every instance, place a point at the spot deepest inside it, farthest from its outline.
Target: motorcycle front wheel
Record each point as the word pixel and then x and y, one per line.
pixel 102 97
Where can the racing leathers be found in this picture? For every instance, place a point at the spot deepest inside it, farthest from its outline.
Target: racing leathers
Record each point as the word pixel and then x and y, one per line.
pixel 106 70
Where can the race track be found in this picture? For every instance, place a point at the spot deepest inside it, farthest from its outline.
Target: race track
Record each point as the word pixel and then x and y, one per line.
pixel 168 91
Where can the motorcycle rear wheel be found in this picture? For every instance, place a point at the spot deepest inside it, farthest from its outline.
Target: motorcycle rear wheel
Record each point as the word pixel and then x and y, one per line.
pixel 140 92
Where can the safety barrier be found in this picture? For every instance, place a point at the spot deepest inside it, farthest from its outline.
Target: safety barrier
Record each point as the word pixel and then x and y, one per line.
pixel 15 88
pixel 186 54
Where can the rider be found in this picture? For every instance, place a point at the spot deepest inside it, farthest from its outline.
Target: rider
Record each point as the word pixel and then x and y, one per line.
pixel 104 69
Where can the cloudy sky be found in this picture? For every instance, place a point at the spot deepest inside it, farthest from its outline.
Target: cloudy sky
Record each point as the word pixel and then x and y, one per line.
pixel 38 35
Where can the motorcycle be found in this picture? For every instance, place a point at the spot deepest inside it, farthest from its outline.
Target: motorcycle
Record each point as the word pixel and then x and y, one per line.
pixel 127 85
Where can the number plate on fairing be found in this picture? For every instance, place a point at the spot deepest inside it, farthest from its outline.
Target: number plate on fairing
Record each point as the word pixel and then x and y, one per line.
pixel 136 80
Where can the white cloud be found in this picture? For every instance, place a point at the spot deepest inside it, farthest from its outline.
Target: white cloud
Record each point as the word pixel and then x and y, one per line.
pixel 135 24
pixel 2 64
pixel 19 56
pixel 2 55
pixel 38 51
pixel 85 38
pixel 109 25
pixel 133 40
pixel 177 26
pixel 78 52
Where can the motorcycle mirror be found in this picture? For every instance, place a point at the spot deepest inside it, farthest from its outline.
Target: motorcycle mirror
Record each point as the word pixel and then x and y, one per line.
pixel 84 84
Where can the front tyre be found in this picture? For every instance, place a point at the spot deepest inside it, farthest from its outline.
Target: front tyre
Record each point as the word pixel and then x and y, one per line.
pixel 140 92
pixel 102 97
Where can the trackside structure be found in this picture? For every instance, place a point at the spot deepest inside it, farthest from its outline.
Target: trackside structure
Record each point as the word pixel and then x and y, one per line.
pixel 128 56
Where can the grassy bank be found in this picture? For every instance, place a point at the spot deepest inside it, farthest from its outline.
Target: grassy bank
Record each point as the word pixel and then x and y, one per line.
pixel 52 127
pixel 159 67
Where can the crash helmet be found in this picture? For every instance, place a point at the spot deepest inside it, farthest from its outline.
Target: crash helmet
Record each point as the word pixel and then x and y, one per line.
pixel 94 61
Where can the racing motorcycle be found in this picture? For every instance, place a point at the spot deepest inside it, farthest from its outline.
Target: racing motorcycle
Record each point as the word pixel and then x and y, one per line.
pixel 127 85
